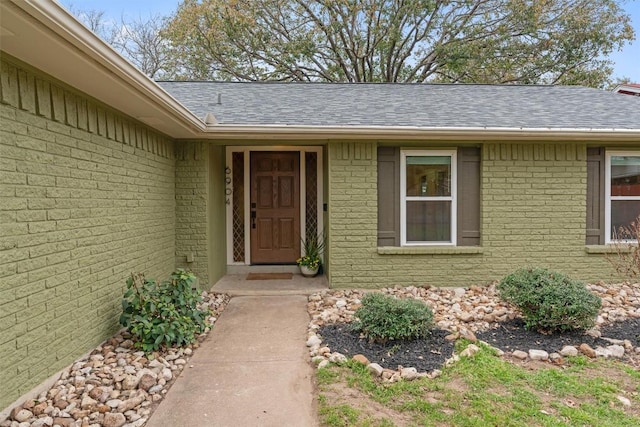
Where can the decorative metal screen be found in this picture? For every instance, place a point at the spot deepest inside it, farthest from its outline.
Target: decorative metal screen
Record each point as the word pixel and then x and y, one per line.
pixel 238 206
pixel 311 190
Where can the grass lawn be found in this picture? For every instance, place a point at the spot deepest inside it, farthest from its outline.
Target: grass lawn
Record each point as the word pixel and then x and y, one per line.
pixel 485 390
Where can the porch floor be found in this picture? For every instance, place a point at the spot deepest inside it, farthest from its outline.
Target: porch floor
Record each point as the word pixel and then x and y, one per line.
pixel 238 285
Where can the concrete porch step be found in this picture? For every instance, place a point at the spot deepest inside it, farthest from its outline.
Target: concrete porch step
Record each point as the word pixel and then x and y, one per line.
pixel 238 285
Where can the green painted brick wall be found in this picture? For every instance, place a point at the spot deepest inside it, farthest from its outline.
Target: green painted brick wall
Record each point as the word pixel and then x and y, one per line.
pixel 533 208
pixel 200 210
pixel 192 169
pixel 86 198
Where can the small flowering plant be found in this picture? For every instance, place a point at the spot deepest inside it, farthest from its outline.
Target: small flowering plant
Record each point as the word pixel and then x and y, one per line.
pixel 312 248
pixel 308 261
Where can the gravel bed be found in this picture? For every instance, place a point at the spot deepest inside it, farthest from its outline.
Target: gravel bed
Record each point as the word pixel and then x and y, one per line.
pixel 115 386
pixel 476 313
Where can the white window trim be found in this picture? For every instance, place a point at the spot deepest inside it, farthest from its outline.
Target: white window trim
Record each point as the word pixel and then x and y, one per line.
pixel 608 197
pixel 403 195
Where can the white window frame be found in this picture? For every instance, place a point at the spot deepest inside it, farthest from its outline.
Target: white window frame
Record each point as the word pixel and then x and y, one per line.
pixel 404 199
pixel 608 197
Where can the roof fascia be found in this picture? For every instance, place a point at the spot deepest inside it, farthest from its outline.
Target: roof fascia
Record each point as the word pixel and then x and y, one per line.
pixel 113 74
pixel 440 133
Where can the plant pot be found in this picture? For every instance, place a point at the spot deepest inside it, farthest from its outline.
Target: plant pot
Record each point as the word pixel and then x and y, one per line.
pixel 308 272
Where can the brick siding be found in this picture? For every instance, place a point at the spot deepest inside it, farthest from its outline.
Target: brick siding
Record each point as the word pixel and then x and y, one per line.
pixel 86 198
pixel 192 185
pixel 533 213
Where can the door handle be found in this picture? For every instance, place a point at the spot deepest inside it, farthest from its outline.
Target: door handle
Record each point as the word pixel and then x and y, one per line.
pixel 253 218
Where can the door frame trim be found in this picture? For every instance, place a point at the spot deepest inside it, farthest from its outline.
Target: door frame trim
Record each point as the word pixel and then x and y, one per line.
pixel 247 194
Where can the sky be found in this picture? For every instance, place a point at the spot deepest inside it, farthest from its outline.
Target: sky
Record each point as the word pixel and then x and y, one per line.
pixel 626 62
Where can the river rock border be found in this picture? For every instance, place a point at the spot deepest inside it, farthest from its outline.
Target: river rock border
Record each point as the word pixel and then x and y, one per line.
pixel 464 311
pixel 115 386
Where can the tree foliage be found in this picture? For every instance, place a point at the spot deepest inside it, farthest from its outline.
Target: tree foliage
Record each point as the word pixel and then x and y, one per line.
pixel 480 41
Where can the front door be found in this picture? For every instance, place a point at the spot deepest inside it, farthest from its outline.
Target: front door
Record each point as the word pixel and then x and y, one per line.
pixel 275 207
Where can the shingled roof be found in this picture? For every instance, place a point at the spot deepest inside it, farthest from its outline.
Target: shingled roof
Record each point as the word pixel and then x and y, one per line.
pixel 412 105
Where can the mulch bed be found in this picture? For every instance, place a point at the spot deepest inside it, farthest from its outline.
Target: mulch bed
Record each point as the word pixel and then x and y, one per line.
pixel 431 353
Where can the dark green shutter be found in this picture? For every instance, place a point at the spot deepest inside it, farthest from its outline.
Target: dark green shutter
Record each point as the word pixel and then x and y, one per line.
pixel 388 196
pixel 595 196
pixel 468 196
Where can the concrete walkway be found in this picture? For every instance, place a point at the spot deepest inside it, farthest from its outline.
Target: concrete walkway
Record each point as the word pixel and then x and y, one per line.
pixel 252 370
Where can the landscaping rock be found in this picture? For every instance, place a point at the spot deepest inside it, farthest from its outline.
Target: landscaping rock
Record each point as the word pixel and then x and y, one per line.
pixel 519 354
pixel 43 422
pixel 337 358
pixel 360 359
pixel 63 421
pixel 468 335
pixel 21 415
pixel 569 350
pixel 587 350
pixel 313 340
pixel 556 358
pixel 470 351
pixel 114 419
pixel 375 369
pixel 130 403
pixel 616 350
pixel 538 355
pixel 146 382
pixel 625 402
pixel 39 408
pixel 408 373
pixel 88 403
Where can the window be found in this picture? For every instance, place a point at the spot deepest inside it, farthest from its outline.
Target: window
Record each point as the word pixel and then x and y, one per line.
pixel 443 208
pixel 428 197
pixel 622 191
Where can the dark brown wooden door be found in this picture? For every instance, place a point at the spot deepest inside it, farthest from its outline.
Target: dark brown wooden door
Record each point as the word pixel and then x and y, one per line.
pixel 275 207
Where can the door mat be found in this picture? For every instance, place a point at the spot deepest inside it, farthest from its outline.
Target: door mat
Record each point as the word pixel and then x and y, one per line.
pixel 269 276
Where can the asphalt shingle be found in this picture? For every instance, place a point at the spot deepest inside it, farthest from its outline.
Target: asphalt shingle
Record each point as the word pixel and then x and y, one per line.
pixel 414 105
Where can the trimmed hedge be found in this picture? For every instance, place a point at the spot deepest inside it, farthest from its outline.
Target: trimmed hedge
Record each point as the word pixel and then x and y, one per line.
pixel 550 301
pixel 385 318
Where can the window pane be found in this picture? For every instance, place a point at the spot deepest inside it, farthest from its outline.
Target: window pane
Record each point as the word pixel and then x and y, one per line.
pixel 622 213
pixel 428 176
pixel 428 221
pixel 625 176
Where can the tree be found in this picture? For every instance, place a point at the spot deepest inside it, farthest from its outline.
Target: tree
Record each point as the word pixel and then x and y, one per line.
pixel 138 40
pixel 96 21
pixel 480 41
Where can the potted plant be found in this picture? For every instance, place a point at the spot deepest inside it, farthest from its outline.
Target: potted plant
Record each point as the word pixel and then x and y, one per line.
pixel 310 262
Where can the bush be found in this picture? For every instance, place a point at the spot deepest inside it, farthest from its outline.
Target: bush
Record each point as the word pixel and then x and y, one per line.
pixel 550 301
pixel 382 318
pixel 164 314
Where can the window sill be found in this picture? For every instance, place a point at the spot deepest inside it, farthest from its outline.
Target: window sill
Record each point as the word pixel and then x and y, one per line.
pixel 429 250
pixel 608 249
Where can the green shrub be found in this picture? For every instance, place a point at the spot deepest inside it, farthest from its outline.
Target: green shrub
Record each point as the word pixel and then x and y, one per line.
pixel 163 314
pixel 382 318
pixel 550 301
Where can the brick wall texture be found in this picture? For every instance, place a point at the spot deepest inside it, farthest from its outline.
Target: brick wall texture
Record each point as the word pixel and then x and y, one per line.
pixel 533 213
pixel 192 185
pixel 86 198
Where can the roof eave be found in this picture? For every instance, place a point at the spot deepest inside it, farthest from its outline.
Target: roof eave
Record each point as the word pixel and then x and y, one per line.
pixel 44 35
pixel 290 132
